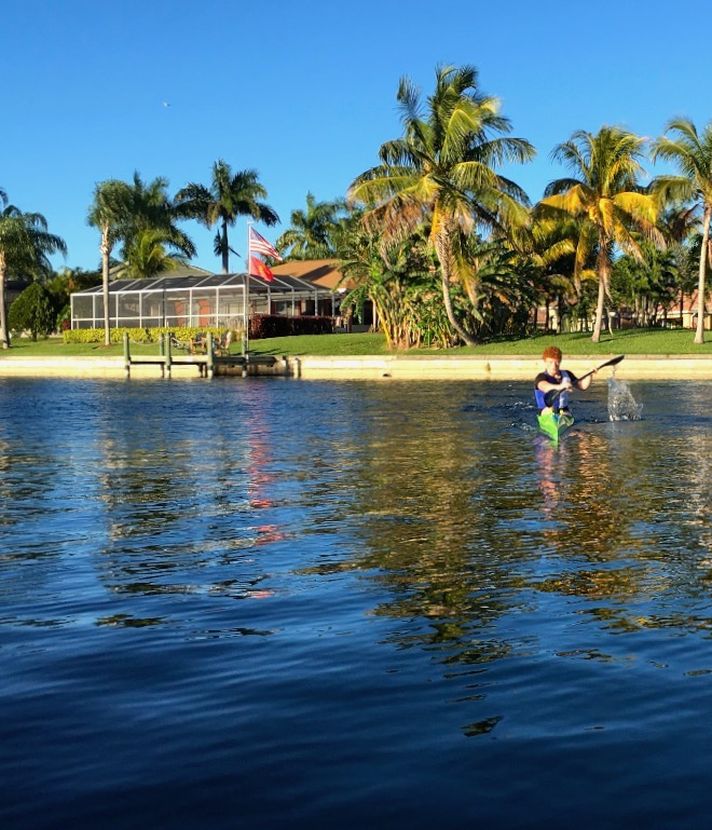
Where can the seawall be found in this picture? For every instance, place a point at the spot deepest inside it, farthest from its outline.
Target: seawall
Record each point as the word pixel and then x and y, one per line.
pixel 380 367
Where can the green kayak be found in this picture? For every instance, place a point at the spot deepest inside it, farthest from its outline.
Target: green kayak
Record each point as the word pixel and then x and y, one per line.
pixel 555 424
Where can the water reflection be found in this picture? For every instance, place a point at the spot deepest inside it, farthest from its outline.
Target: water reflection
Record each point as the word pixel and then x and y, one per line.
pixel 240 570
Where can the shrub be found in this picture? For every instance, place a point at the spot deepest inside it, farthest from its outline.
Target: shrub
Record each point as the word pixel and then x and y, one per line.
pixel 34 311
pixel 137 335
pixel 273 325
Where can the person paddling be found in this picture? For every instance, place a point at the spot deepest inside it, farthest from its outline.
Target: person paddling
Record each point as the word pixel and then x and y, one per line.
pixel 552 386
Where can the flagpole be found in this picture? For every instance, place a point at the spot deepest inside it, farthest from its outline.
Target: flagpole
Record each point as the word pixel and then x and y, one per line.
pixel 246 338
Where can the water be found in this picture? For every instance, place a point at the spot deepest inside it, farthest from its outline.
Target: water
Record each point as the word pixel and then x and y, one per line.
pixel 271 603
pixel 622 406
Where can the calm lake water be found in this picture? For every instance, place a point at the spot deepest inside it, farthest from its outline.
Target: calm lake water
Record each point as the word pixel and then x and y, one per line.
pixel 265 603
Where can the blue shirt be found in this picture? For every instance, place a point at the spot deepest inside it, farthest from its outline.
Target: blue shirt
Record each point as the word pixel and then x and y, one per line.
pixel 562 399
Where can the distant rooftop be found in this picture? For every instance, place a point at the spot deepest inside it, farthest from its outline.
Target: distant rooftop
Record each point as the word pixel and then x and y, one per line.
pixel 179 271
pixel 282 283
pixel 322 272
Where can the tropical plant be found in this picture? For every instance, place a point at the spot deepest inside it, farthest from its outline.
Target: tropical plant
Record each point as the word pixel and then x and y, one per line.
pixel 507 286
pixel 63 283
pixel 692 153
pixel 34 310
pixel 151 251
pixel 400 282
pixel 25 245
pixel 648 285
pixel 605 194
pixel 152 216
pixel 142 216
pixel 441 172
pixel 311 235
pixel 553 248
pixel 111 213
pixel 228 197
pixel 678 224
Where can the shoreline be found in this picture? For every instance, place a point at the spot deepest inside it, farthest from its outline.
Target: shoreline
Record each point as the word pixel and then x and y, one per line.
pixel 379 367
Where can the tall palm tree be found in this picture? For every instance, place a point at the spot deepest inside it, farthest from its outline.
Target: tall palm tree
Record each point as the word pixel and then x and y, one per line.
pixel 150 208
pixel 25 245
pixel 229 196
pixel 150 251
pixel 152 240
pixel 441 172
pixel 605 194
pixel 141 215
pixel 692 153
pixel 110 212
pixel 311 233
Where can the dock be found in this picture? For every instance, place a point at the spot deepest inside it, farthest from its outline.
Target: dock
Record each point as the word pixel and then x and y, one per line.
pixel 208 364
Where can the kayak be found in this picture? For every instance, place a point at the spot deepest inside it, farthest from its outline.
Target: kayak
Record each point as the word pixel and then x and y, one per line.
pixel 555 424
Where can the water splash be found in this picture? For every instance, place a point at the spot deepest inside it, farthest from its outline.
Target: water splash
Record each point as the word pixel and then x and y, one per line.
pixel 622 406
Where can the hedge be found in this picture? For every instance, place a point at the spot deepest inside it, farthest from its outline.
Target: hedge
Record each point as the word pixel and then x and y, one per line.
pixel 273 325
pixel 137 335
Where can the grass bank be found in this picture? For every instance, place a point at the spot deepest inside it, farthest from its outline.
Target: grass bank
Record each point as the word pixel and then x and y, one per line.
pixel 630 341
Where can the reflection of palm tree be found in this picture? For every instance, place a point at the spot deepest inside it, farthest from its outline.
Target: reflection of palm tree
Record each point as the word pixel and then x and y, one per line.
pixel 423 531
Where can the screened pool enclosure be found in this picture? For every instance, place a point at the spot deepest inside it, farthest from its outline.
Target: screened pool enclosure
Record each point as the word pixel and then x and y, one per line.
pixel 216 300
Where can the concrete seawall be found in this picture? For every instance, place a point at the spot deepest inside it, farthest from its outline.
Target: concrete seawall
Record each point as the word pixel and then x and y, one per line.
pixel 638 367
pixel 382 367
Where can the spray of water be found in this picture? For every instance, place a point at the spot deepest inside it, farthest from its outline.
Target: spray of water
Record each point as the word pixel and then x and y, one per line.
pixel 622 406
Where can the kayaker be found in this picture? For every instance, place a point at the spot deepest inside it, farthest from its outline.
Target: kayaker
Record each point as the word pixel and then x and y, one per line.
pixel 555 379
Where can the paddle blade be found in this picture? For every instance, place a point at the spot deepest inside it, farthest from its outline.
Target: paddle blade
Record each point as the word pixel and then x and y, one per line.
pixel 612 362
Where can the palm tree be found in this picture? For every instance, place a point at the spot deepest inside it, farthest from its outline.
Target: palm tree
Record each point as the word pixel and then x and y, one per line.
pixel 692 153
pixel 554 248
pixel 151 251
pixel 25 245
pixel 678 224
pixel 142 215
pixel 311 233
pixel 151 230
pixel 151 208
pixel 441 172
pixel 229 196
pixel 110 212
pixel 606 196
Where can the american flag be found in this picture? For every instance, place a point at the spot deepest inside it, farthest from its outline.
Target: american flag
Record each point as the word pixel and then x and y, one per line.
pixel 258 244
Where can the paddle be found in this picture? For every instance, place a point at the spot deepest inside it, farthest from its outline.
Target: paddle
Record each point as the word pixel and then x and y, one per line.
pixel 614 361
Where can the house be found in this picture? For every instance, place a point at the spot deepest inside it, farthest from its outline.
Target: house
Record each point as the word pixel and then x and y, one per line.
pixel 326 273
pixel 199 300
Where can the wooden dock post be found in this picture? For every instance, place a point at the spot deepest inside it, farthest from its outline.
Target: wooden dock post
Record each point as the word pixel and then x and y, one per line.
pixel 210 367
pixel 167 351
pixel 127 355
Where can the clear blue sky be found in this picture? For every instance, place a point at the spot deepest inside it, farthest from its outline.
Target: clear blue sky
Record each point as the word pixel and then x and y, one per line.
pixel 305 92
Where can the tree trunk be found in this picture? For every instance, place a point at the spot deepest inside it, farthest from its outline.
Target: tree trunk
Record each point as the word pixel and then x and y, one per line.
pixel 442 248
pixel 604 268
pixel 105 249
pixel 226 251
pixel 700 333
pixel 4 333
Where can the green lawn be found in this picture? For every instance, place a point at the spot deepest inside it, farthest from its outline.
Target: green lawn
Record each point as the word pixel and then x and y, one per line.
pixel 630 341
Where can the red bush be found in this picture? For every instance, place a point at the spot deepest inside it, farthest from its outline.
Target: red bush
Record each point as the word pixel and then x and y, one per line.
pixel 273 325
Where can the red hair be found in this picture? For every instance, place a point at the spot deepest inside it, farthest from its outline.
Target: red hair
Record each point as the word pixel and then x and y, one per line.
pixel 553 352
